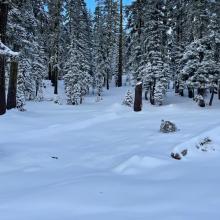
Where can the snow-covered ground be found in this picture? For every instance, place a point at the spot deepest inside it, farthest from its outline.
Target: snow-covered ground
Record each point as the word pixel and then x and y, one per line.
pixel 113 163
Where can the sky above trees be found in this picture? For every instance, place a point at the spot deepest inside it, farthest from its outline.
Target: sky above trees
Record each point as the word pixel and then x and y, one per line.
pixel 91 3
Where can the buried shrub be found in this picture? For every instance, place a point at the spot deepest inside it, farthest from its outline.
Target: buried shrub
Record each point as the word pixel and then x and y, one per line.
pixel 205 145
pixel 167 127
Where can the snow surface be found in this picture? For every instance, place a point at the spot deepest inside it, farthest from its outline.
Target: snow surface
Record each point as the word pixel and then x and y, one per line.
pixel 113 163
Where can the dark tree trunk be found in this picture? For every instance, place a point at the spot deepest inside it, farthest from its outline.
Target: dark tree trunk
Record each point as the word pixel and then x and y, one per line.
pixel 201 91
pixel 190 92
pixel 201 103
pixel 181 92
pixel 219 89
pixel 176 87
pixel 3 24
pixel 2 86
pixel 12 88
pixel 152 89
pixel 152 102
pixel 138 97
pixel 49 72
pixel 53 77
pixel 55 80
pixel 212 96
pixel 55 64
pixel 120 59
pixel 107 81
pixel 145 95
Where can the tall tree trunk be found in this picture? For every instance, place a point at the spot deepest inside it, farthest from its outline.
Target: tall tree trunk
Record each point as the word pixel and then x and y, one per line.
pixel 212 96
pixel 201 91
pixel 107 81
pixel 138 97
pixel 176 86
pixel 190 92
pixel 145 95
pixel 152 89
pixel 219 89
pixel 3 24
pixel 49 72
pixel 56 80
pixel 181 92
pixel 12 88
pixel 120 60
pixel 55 72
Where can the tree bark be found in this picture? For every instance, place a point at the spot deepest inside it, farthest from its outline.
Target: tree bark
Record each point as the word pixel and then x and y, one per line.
pixel 176 87
pixel 219 89
pixel 145 95
pixel 3 24
pixel 212 96
pixel 107 81
pixel 56 80
pixel 120 61
pixel 181 92
pixel 190 92
pixel 138 97
pixel 152 89
pixel 49 72
pixel 12 88
pixel 201 91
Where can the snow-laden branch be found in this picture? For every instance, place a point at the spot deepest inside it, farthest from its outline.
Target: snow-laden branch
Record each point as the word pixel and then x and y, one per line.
pixel 4 50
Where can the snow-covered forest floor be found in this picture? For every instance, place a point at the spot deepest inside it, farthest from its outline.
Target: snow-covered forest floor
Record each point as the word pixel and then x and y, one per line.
pixel 102 161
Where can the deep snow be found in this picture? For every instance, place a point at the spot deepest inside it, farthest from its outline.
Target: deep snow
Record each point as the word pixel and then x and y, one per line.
pixel 113 163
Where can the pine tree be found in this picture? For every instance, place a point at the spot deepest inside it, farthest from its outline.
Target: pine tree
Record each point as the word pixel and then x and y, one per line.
pixel 77 68
pixel 154 69
pixel 128 100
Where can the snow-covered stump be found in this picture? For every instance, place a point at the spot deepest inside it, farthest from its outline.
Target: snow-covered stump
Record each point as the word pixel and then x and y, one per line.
pixel 138 97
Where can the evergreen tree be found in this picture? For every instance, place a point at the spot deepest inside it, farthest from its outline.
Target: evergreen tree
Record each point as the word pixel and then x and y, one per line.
pixel 77 77
pixel 128 100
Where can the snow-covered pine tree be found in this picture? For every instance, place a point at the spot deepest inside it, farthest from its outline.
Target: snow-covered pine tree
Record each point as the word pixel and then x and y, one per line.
pixel 26 35
pixel 134 41
pixel 198 67
pixel 77 68
pixel 99 52
pixel 154 69
pixel 128 100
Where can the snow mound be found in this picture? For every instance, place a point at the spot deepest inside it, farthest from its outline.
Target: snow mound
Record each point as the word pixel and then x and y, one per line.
pixel 208 142
pixel 137 164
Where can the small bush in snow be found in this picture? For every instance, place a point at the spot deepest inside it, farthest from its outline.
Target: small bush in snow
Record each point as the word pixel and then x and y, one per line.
pixel 167 127
pixel 205 145
pixel 128 100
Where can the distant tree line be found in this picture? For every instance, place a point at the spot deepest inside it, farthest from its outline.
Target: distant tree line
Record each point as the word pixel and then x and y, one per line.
pixel 164 41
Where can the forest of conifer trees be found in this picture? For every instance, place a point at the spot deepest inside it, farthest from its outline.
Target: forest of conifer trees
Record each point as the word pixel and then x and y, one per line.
pixel 163 44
